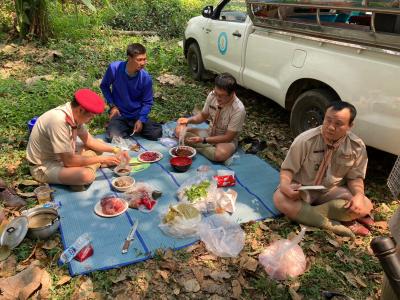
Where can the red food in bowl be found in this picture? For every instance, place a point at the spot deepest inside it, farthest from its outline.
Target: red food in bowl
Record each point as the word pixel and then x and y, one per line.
pixel 181 164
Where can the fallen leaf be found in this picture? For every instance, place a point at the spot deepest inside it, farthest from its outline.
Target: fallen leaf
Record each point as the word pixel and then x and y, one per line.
pixel 249 263
pixel 381 224
pixel 168 254
pixel 8 266
pixel 350 278
pixel 360 282
pixel 164 275
pixel 50 244
pixel 21 285
pixel 220 275
pixel 236 289
pixel 199 274
pixel 63 280
pixel 315 248
pixel 46 283
pixel 294 295
pixel 191 285
pixel 5 252
pixel 192 248
pixel 211 287
pixel 208 257
pixel 84 290
pixel 333 243
pixel 295 285
pixel 264 227
pixel 35 79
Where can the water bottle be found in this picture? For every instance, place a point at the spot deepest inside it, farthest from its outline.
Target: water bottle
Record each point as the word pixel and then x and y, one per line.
pixel 385 250
pixel 73 250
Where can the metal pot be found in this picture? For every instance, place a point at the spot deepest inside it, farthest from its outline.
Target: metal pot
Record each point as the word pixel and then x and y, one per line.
pixel 42 222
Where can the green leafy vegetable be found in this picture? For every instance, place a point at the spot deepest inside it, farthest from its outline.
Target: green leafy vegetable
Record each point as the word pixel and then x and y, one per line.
pixel 197 191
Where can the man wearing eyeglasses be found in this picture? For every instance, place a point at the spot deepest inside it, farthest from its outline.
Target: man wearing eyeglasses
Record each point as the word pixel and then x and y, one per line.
pixel 226 115
pixel 332 156
pixel 52 148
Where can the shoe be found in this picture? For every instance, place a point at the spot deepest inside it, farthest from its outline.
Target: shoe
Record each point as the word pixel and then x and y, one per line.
pixel 367 221
pixel 357 228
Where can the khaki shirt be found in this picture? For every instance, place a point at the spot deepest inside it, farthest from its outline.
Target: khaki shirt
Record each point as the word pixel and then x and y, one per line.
pixel 231 117
pixel 305 155
pixel 51 136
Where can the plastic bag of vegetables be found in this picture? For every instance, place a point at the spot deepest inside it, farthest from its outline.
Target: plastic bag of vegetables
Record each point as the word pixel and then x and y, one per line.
pixel 198 191
pixel 181 221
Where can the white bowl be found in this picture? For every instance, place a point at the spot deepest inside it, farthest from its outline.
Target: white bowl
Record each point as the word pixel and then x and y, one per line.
pixel 193 150
pixel 118 168
pixel 131 181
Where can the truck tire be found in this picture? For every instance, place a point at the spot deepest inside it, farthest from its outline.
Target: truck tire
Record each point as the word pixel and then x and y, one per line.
pixel 309 109
pixel 195 61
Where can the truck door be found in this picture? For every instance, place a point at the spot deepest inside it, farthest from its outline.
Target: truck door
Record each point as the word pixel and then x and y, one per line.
pixel 226 33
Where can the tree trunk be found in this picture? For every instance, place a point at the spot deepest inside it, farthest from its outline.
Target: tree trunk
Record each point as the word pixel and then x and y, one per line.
pixel 32 19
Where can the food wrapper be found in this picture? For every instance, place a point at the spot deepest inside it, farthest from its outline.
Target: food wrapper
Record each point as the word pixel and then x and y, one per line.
pixel 225 178
pixel 85 253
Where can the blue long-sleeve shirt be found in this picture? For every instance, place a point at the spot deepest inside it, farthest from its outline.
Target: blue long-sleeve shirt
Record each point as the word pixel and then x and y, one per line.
pixel 133 96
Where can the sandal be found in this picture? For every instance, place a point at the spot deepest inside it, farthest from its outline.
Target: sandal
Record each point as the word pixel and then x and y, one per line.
pixel 357 228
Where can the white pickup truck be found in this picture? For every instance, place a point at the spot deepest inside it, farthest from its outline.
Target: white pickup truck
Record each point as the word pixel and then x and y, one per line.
pixel 305 54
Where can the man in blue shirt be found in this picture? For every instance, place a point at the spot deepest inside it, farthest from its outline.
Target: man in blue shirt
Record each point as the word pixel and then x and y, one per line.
pixel 128 90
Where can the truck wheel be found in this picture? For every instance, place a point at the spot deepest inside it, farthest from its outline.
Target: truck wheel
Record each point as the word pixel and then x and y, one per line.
pixel 309 109
pixel 195 61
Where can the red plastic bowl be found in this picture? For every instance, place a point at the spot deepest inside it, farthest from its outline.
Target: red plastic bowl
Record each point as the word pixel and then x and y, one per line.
pixel 181 163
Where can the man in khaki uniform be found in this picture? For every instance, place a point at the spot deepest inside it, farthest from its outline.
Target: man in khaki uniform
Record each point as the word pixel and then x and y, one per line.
pixel 226 114
pixel 51 150
pixel 332 156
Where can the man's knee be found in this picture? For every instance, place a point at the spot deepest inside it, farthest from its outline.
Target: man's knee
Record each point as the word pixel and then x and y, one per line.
pixel 285 205
pixel 87 176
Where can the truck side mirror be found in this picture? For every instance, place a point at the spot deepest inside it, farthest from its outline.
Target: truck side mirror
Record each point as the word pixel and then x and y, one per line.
pixel 207 11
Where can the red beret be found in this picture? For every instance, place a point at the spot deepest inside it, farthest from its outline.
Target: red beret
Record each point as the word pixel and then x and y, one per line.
pixel 90 101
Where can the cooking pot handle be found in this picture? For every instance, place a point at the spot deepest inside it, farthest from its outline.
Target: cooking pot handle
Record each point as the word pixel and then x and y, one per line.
pixel 10 229
pixel 55 219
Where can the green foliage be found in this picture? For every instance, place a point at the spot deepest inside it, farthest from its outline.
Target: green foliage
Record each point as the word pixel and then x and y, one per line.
pixel 167 17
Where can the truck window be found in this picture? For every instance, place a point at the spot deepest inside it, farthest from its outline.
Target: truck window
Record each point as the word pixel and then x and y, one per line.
pixel 234 11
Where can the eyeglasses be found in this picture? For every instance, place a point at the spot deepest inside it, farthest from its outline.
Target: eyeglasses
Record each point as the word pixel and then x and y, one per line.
pixel 221 96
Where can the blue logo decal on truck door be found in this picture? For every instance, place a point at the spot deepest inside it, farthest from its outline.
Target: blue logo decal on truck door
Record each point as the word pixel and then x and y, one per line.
pixel 223 43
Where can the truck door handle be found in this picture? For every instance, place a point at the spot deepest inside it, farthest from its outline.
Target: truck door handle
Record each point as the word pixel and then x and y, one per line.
pixel 208 30
pixel 237 33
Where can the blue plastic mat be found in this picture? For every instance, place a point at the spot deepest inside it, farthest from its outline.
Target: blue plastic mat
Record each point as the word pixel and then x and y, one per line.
pixel 256 182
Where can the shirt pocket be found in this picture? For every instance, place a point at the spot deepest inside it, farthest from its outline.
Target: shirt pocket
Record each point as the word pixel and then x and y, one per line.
pixel 342 165
pixel 314 160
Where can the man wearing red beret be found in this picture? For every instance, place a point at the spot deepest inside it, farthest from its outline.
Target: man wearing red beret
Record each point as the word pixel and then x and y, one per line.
pixel 52 151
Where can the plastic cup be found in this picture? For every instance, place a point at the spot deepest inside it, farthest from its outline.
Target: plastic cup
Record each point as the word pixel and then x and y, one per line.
pixel 43 194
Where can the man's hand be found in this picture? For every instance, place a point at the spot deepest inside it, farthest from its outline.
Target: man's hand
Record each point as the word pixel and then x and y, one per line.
pixel 110 160
pixel 195 139
pixel 114 112
pixel 290 190
pixel 138 126
pixel 183 121
pixel 356 203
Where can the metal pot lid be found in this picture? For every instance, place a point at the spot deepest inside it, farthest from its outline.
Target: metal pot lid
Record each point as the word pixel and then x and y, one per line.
pixel 14 232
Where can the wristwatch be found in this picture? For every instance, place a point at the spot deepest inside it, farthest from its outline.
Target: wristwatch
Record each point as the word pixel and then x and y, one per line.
pixel 204 140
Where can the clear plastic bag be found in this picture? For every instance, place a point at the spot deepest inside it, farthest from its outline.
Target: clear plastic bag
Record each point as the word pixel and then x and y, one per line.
pixel 181 221
pixel 284 258
pixel 168 142
pixel 168 129
pixel 142 196
pixel 221 236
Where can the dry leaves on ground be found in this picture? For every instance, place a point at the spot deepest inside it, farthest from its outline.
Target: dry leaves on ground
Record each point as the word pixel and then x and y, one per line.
pixel 171 79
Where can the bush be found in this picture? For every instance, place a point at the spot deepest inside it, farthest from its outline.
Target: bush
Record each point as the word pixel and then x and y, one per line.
pixel 167 17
